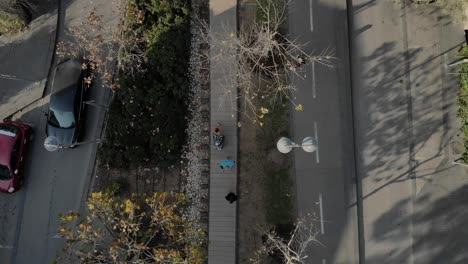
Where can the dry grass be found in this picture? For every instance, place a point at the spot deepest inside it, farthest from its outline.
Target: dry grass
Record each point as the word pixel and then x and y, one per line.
pixel 451 8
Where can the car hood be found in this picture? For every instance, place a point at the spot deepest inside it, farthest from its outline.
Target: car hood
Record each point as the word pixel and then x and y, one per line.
pixel 6 145
pixel 65 136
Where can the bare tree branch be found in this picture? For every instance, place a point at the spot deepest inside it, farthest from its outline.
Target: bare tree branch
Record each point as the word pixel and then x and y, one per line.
pixel 261 49
pixel 292 250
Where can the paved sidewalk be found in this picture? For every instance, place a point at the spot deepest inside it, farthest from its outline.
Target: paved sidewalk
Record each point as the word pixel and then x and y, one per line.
pixel 222 231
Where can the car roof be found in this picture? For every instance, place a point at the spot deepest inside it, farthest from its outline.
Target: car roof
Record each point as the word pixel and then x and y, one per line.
pixel 67 75
pixel 65 84
pixel 63 101
pixel 7 141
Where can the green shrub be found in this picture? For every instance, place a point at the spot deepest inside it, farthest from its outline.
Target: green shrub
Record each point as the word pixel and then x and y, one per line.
pixel 147 117
pixel 116 187
pixel 15 15
pixel 275 123
pixel 10 23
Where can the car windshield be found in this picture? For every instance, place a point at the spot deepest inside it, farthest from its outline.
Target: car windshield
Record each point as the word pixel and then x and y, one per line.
pixel 61 119
pixel 4 173
pixel 8 130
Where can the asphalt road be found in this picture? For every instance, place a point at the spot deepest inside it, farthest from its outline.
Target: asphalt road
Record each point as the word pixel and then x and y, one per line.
pixel 325 178
pixel 26 59
pixel 55 182
pixel 385 115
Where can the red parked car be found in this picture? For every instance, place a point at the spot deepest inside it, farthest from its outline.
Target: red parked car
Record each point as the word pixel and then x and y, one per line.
pixel 14 142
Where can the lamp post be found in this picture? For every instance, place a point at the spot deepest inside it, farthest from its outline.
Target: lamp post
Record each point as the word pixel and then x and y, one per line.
pixel 457 162
pixel 51 143
pixel 457 62
pixel 93 103
pixel 285 145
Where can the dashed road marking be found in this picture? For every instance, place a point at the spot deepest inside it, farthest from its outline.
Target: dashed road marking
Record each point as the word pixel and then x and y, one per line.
pixel 5 247
pixel 311 16
pixel 317 155
pixel 322 226
pixel 314 92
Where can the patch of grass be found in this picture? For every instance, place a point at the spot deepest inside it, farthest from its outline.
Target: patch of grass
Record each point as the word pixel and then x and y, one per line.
pixel 10 23
pixel 452 8
pixel 279 189
pixel 275 123
pixel 147 119
pixel 279 197
pixel 462 101
pixel 15 15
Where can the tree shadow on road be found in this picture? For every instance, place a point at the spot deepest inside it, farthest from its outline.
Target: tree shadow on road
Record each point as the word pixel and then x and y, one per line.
pixel 439 230
pixel 400 111
pixel 405 103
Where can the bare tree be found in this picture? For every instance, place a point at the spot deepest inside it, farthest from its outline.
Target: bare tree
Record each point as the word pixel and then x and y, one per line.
pixel 94 45
pixel 132 44
pixel 292 250
pixel 262 51
pixel 99 46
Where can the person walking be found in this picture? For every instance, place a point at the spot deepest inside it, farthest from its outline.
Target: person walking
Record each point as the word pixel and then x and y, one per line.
pixel 227 163
pixel 218 138
pixel 231 197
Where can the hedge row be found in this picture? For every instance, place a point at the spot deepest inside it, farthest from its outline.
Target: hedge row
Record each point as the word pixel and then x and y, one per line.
pixel 147 120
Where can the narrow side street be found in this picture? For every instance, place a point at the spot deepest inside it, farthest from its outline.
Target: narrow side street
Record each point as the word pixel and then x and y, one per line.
pixel 55 182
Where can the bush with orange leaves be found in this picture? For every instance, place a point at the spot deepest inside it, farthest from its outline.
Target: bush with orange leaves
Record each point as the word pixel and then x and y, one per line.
pixel 140 229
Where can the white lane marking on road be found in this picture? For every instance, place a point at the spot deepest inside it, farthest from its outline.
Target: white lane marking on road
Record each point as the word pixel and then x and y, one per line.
pixel 7 76
pixel 314 92
pixel 322 228
pixel 317 156
pixel 56 235
pixel 324 261
pixel 5 247
pixel 311 16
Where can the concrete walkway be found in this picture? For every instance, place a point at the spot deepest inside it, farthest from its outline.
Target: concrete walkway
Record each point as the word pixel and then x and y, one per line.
pixel 222 231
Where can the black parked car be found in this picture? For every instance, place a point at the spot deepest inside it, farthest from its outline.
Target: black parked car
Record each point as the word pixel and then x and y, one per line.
pixel 65 118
